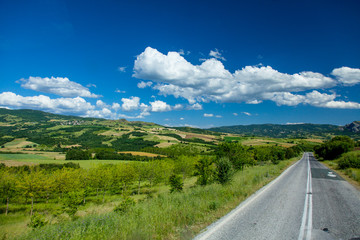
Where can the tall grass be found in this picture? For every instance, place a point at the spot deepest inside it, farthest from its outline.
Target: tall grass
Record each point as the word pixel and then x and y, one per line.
pixel 167 216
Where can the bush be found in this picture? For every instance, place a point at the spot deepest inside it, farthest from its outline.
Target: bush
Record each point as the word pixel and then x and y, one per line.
pixel 125 205
pixel 176 183
pixel 37 221
pixel 224 170
pixel 334 148
pixel 349 160
pixel 77 154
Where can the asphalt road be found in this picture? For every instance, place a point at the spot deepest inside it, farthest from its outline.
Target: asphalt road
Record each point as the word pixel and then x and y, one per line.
pixel 307 201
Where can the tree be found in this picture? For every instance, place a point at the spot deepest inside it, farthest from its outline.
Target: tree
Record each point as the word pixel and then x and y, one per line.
pixel 31 185
pixel 204 171
pixel 7 186
pixel 77 154
pixel 235 152
pixel 334 148
pixel 185 165
pixel 176 184
pixel 224 171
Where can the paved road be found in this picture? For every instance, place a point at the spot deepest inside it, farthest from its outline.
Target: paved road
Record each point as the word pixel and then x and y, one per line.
pixel 307 201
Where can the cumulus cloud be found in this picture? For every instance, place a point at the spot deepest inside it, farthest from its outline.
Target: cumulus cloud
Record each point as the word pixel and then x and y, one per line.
pixel 195 106
pixel 347 76
pixel 208 115
pixel 76 105
pixel 246 113
pixel 116 106
pixel 178 107
pixel 160 106
pixel 235 114
pixel 130 104
pixel 216 54
pixel 210 81
pixel 143 84
pixel 58 86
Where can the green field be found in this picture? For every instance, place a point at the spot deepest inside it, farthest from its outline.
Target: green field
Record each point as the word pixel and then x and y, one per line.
pixel 36 159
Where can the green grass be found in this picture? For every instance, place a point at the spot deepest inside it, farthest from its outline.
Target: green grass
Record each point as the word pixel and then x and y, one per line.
pixel 23 157
pixel 37 159
pixel 167 216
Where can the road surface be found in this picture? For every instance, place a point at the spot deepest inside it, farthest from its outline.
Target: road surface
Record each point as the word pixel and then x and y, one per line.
pixel 308 201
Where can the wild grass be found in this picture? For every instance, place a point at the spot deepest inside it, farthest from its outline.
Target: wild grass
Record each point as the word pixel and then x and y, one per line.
pixel 166 216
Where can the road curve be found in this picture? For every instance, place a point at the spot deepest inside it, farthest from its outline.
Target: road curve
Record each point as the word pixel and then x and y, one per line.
pixel 307 201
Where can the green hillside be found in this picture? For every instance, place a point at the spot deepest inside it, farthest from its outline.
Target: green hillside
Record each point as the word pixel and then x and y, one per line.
pixel 288 131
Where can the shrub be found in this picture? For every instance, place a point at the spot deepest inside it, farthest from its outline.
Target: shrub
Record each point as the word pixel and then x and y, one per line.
pixel 37 221
pixel 125 205
pixel 224 170
pixel 176 183
pixel 349 160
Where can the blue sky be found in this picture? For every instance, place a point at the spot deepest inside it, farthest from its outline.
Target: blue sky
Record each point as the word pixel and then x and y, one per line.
pixel 183 63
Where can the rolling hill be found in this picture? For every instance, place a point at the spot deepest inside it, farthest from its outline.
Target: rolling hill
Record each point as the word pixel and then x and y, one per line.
pixel 292 130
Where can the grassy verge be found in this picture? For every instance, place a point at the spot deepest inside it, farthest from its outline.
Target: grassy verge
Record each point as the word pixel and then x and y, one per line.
pixel 352 175
pixel 166 216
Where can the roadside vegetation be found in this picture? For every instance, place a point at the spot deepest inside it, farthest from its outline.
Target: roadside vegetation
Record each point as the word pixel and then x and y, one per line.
pixel 341 153
pixel 172 197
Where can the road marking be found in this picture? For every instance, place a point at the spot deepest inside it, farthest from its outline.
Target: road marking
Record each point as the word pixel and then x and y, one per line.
pixel 331 174
pixel 306 223
pixel 222 221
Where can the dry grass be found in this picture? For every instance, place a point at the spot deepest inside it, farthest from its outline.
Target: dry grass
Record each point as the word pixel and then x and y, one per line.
pixel 208 138
pixel 314 140
pixel 142 154
pixel 164 144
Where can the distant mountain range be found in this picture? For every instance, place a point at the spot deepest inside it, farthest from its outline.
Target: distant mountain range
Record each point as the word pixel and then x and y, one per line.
pixel 39 119
pixel 305 130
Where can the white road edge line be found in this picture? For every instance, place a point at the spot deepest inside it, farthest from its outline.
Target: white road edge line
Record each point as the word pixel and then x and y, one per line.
pixel 222 221
pixel 306 223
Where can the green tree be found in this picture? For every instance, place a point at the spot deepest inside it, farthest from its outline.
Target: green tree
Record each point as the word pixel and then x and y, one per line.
pixel 204 171
pixel 7 186
pixel 238 154
pixel 31 185
pixel 176 183
pixel 77 154
pixel 224 170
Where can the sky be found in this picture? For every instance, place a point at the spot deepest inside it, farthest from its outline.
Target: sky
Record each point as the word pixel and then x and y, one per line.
pixel 183 63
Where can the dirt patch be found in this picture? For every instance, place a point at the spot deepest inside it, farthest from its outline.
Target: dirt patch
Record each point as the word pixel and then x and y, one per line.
pixel 314 140
pixel 207 138
pixel 164 144
pixel 144 154
pixel 11 163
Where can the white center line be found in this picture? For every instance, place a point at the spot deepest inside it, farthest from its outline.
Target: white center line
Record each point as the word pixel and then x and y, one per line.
pixel 306 223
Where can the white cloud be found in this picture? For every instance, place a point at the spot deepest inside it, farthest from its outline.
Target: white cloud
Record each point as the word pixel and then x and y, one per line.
pixel 195 106
pixel 182 118
pixel 130 104
pixel 216 54
pixel 91 85
pixel 218 116
pixel 76 105
pixel 178 107
pixel 347 76
pixel 235 114
pixel 116 106
pixel 122 69
pixel 210 81
pixel 246 113
pixel 143 84
pixel 315 99
pixel 159 106
pixel 57 85
pixel 119 91
pixel 101 104
pixel 208 115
